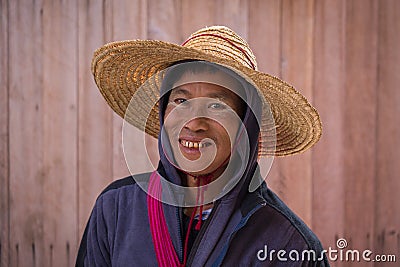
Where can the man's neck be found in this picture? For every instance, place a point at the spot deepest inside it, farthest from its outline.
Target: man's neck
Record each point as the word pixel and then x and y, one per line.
pixel 194 181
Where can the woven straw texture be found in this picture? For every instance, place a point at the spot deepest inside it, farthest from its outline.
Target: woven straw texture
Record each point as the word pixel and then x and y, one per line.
pixel 133 70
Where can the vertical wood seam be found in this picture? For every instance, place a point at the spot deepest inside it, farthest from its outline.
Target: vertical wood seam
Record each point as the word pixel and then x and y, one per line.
pixel 181 37
pixel 373 235
pixel 109 36
pixel 8 169
pixel 77 178
pixel 147 19
pixel 343 82
pixel 42 254
pixel 312 156
pixel 344 79
pixel 375 15
pixel 8 137
pixel 111 130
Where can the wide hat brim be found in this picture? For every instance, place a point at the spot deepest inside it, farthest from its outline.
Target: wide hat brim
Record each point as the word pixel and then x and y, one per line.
pixel 120 69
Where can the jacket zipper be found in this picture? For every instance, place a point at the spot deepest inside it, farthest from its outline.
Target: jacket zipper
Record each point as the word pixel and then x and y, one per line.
pixel 178 216
pixel 200 236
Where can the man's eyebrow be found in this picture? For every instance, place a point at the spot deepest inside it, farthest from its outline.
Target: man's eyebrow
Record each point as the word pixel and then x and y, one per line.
pixel 180 91
pixel 218 95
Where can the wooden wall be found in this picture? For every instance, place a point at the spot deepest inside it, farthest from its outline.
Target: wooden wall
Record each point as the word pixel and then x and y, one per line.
pixel 60 144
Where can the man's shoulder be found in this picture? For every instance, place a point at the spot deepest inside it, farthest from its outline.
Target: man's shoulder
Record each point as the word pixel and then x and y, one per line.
pixel 120 195
pixel 126 185
pixel 126 194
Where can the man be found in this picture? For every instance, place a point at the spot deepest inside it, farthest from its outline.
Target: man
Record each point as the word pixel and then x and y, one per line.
pixel 214 116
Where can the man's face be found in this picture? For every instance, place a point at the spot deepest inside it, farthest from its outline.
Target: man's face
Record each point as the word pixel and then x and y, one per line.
pixel 202 120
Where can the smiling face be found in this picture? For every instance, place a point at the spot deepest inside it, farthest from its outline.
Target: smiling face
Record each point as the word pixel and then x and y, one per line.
pixel 202 121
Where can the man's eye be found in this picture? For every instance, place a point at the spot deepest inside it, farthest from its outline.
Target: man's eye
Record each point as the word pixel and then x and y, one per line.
pixel 217 106
pixel 179 101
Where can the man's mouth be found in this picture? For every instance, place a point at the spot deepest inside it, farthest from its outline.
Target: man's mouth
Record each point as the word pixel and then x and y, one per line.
pixel 192 144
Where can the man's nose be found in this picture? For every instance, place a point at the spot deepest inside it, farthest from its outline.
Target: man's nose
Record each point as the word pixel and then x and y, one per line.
pixel 197 124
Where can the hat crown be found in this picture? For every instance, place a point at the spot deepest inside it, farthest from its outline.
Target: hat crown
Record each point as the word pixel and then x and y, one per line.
pixel 222 42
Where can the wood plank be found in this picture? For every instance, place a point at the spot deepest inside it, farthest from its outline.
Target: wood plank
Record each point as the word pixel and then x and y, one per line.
pixel 26 133
pixel 164 21
pixel 94 115
pixel 60 132
pixel 233 14
pixel 265 41
pixel 265 34
pixel 359 141
pixel 4 139
pixel 297 69
pixel 387 216
pixel 328 93
pixel 197 15
pixel 129 20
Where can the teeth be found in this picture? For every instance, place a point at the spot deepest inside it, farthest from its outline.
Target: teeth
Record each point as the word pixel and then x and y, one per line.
pixel 192 144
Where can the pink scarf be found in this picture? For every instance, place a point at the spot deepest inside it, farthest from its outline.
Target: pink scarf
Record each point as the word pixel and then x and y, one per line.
pixel 165 251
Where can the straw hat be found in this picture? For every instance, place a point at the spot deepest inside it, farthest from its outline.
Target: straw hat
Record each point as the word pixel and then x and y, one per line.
pixel 121 68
